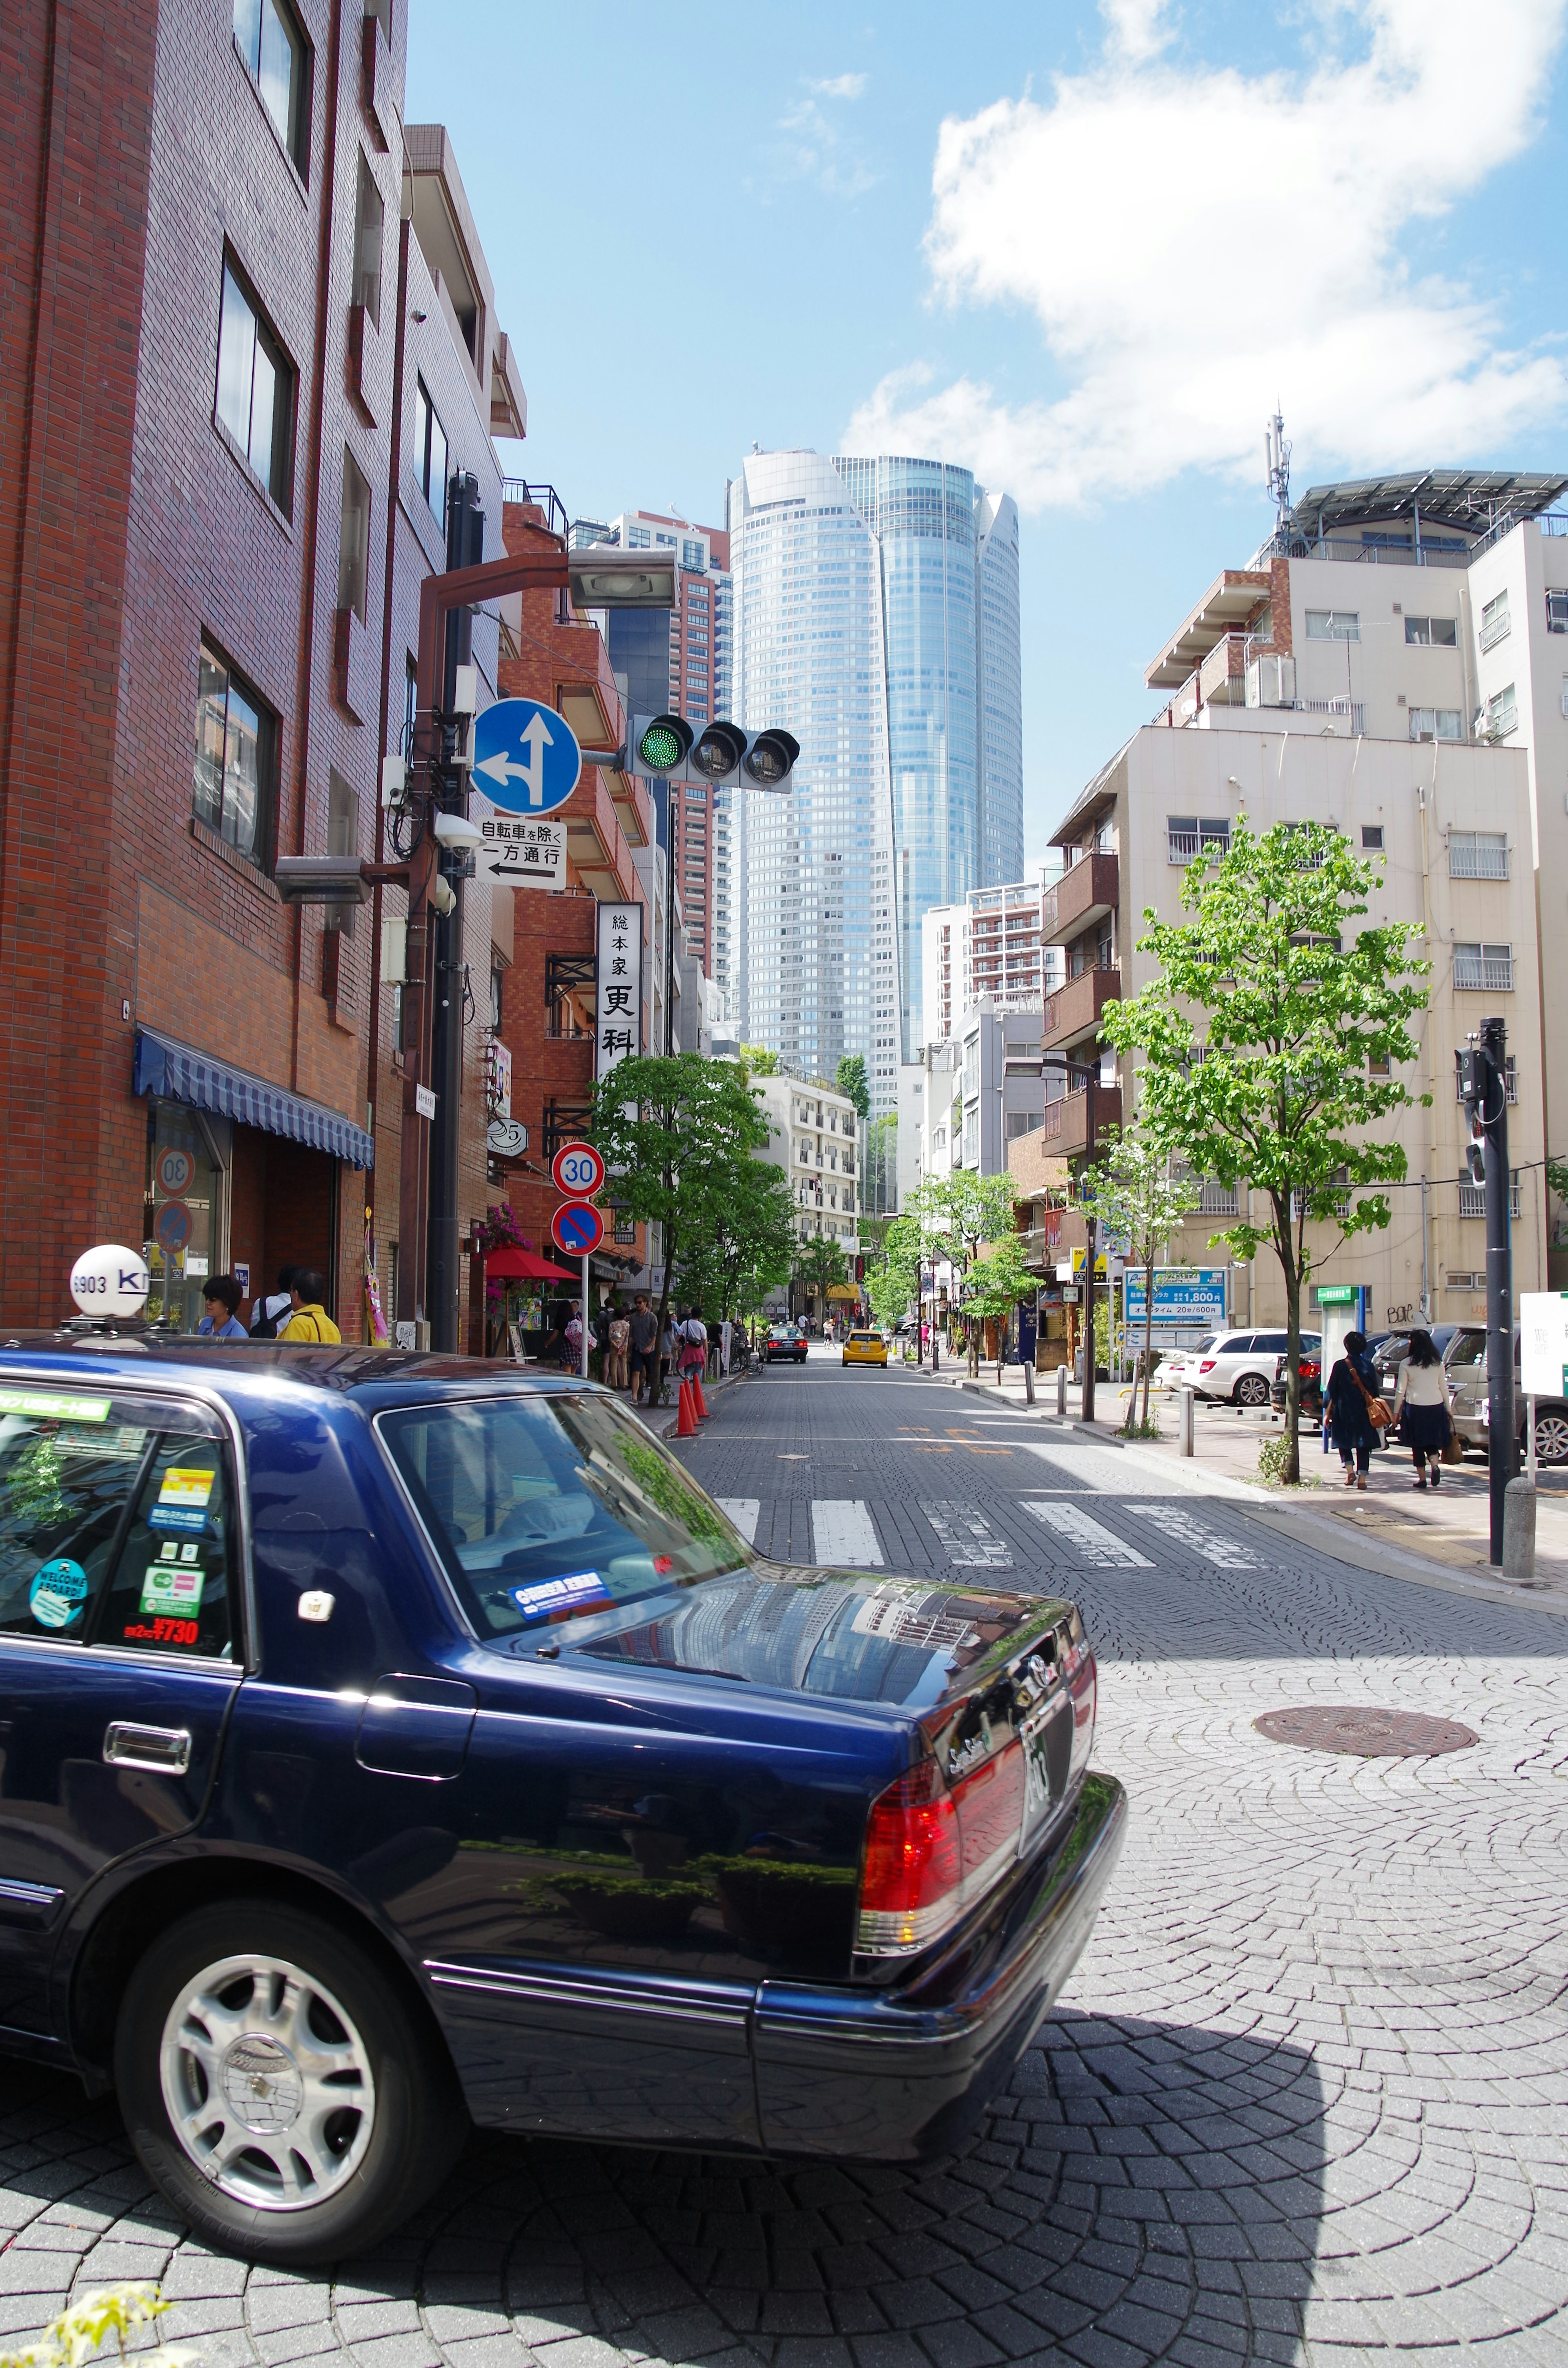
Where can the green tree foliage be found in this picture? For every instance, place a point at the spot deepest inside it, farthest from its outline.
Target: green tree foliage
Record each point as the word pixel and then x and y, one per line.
pixel 956 1213
pixel 818 1263
pixel 893 1277
pixel 851 1079
pixel 1272 1041
pixel 729 1269
pixel 1139 1199
pixel 677 1134
pixel 758 1062
pixel 994 1286
pixel 86 2325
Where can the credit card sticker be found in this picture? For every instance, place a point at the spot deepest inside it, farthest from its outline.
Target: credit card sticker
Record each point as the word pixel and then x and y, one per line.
pixel 577 1591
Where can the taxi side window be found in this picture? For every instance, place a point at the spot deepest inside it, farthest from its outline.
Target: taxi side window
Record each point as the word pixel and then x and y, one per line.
pixel 114 1522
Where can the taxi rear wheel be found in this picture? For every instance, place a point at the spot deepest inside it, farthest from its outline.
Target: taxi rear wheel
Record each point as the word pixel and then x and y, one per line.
pixel 278 2088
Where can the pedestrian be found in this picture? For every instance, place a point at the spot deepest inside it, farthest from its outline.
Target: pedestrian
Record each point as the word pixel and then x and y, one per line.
pixel 713 1350
pixel 572 1361
pixel 222 1295
pixel 692 1336
pixel 620 1344
pixel 310 1321
pixel 644 1336
pixel 1348 1402
pixel 669 1351
pixel 274 1308
pixel 1422 1398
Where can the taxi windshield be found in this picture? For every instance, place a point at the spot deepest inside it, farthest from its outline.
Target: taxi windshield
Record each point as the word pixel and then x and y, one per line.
pixel 545 1508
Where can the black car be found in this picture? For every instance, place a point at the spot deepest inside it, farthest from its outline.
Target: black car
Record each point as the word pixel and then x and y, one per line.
pixel 787 1341
pixel 393 1742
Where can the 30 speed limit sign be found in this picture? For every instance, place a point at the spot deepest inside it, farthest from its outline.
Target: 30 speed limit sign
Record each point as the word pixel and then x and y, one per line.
pixel 577 1171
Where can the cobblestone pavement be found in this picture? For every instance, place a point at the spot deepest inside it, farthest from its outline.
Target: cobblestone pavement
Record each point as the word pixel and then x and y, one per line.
pixel 1307 2100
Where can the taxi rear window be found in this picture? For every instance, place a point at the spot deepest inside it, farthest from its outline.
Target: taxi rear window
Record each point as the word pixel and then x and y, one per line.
pixel 549 1509
pixel 114 1522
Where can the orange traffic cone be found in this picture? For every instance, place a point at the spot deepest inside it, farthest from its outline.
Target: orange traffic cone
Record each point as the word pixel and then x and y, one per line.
pixel 686 1422
pixel 697 1394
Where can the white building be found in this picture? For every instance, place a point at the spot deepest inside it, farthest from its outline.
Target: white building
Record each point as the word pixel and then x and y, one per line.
pixel 812 1135
pixel 988 948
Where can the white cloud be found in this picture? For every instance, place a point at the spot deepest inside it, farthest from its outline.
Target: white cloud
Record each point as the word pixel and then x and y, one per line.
pixel 843 86
pixel 1197 243
pixel 817 148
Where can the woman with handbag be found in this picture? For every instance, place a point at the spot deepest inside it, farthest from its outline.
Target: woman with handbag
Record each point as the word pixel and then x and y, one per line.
pixel 1353 1411
pixel 1422 1398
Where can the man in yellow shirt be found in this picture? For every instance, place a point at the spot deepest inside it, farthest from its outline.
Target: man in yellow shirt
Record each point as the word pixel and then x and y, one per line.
pixel 310 1320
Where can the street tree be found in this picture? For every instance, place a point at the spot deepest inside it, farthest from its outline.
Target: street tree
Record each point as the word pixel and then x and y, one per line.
pixel 957 1212
pixel 758 1062
pixel 678 1133
pixel 1138 1196
pixel 851 1079
pixel 819 1264
pixel 892 1278
pixel 749 1248
pixel 1272 1041
pixel 995 1284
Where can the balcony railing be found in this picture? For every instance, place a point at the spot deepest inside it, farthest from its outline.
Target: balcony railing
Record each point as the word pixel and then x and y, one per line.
pixel 1473 1199
pixel 1066 1126
pixel 1075 1008
pixel 1477 861
pixel 1082 895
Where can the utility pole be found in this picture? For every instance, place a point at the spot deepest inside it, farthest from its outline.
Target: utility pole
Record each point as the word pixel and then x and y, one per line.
pixel 465 548
pixel 1091 1236
pixel 1483 1083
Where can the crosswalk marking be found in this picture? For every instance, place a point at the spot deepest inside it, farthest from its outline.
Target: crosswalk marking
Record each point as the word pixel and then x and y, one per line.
pixel 743 1511
pixel 1179 1526
pixel 971 1541
pixel 844 1532
pixel 1081 1531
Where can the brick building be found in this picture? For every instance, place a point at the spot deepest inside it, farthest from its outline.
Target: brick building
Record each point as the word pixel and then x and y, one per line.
pixel 251 334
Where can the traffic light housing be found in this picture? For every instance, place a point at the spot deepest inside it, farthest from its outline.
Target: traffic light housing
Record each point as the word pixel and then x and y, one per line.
pixel 665 747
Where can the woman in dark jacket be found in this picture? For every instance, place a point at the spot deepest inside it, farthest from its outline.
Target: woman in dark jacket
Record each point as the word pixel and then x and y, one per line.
pixel 1352 1382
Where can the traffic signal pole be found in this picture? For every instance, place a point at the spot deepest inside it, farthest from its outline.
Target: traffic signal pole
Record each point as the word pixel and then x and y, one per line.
pixel 1502 1445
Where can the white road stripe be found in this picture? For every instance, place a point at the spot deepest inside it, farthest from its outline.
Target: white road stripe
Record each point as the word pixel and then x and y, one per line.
pixel 844 1532
pixel 1085 1534
pixel 1179 1526
pixel 743 1511
pixel 971 1541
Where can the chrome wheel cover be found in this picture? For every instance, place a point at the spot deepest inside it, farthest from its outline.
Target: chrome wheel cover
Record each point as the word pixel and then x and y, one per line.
pixel 266 2083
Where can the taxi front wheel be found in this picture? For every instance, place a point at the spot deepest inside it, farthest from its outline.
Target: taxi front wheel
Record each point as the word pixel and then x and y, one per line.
pixel 278 2088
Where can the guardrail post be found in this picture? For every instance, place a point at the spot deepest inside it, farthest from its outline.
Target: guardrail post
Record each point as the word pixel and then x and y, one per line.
pixel 1186 1445
pixel 1061 1391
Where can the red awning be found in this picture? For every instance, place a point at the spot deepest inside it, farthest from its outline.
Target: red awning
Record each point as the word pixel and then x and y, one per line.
pixel 503 1266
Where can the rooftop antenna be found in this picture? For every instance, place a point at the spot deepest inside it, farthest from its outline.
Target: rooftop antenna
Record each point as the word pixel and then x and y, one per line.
pixel 1277 461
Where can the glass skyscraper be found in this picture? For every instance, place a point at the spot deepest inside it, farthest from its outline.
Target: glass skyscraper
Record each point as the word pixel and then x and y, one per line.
pixel 876 618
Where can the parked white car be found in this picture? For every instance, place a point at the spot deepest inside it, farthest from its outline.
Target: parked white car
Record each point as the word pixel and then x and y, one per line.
pixel 1236 1365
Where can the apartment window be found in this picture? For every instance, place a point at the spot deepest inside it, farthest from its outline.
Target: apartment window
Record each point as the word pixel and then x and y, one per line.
pixel 1437 633
pixel 236 753
pixel 1478 855
pixel 1502 713
pixel 1557 612
pixel 342 839
pixel 692 556
pixel 255 390
pixel 429 453
pixel 1510 1079
pixel 1437 723
pixel 369 221
pixel 1495 621
pixel 1182 842
pixel 638 538
pixel 1334 624
pixel 1472 1197
pixel 1485 966
pixel 625 1227
pixel 267 36
pixel 354 538
pixel 1371 838
pixel 1214 837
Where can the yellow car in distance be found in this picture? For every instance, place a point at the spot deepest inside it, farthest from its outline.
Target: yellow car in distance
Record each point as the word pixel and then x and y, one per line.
pixel 864 1348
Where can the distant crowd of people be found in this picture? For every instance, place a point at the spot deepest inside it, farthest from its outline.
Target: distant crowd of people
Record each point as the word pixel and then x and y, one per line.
pixel 634 1357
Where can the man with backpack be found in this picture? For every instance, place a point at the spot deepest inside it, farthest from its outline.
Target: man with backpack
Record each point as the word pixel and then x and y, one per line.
pixel 274 1307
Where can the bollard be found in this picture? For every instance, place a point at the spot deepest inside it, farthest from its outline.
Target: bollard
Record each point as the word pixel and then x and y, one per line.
pixel 1028 1382
pixel 1518 1529
pixel 1062 1392
pixel 1186 1445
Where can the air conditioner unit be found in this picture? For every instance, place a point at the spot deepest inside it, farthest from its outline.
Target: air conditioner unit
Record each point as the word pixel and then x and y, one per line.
pixel 1271 681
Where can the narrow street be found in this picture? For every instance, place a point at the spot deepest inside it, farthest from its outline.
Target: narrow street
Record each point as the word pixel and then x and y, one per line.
pixel 1307 2098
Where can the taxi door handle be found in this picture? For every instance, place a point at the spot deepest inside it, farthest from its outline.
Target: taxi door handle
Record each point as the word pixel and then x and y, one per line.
pixel 164 1751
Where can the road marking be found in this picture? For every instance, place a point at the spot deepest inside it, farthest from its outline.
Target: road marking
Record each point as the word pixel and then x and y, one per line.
pixel 743 1511
pixel 1080 1529
pixel 1179 1526
pixel 844 1532
pixel 971 1541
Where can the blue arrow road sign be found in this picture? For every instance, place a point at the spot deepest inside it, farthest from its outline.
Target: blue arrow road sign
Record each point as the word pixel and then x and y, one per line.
pixel 526 756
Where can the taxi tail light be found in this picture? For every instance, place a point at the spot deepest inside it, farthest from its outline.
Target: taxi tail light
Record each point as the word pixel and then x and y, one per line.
pixel 912 1880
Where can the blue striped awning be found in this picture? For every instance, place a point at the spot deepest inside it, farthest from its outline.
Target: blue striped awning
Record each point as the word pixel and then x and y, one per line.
pixel 175 1073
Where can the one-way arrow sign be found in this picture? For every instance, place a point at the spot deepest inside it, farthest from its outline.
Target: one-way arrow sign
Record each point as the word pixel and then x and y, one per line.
pixel 526 756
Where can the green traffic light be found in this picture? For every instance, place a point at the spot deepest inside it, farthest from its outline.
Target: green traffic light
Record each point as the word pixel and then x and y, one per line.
pixel 660 747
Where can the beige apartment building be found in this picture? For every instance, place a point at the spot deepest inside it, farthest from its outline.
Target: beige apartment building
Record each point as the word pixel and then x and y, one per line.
pixel 1391 664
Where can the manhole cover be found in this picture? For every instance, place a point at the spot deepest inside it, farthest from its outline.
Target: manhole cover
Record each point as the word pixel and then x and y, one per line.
pixel 1368 1734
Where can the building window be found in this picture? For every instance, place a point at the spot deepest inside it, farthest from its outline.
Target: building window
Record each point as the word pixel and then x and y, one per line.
pixel 1478 855
pixel 1437 723
pixel 1502 713
pixel 1371 838
pixel 354 538
pixel 429 453
pixel 1334 624
pixel 1484 966
pixel 625 1228
pixel 370 218
pixel 267 36
pixel 1472 1197
pixel 1557 612
pixel 1495 625
pixel 1437 632
pixel 638 538
pixel 1182 841
pixel 237 750
pixel 342 839
pixel 691 556
pixel 255 390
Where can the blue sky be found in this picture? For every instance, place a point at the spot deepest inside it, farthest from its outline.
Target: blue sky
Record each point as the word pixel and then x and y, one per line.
pixel 1081 251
